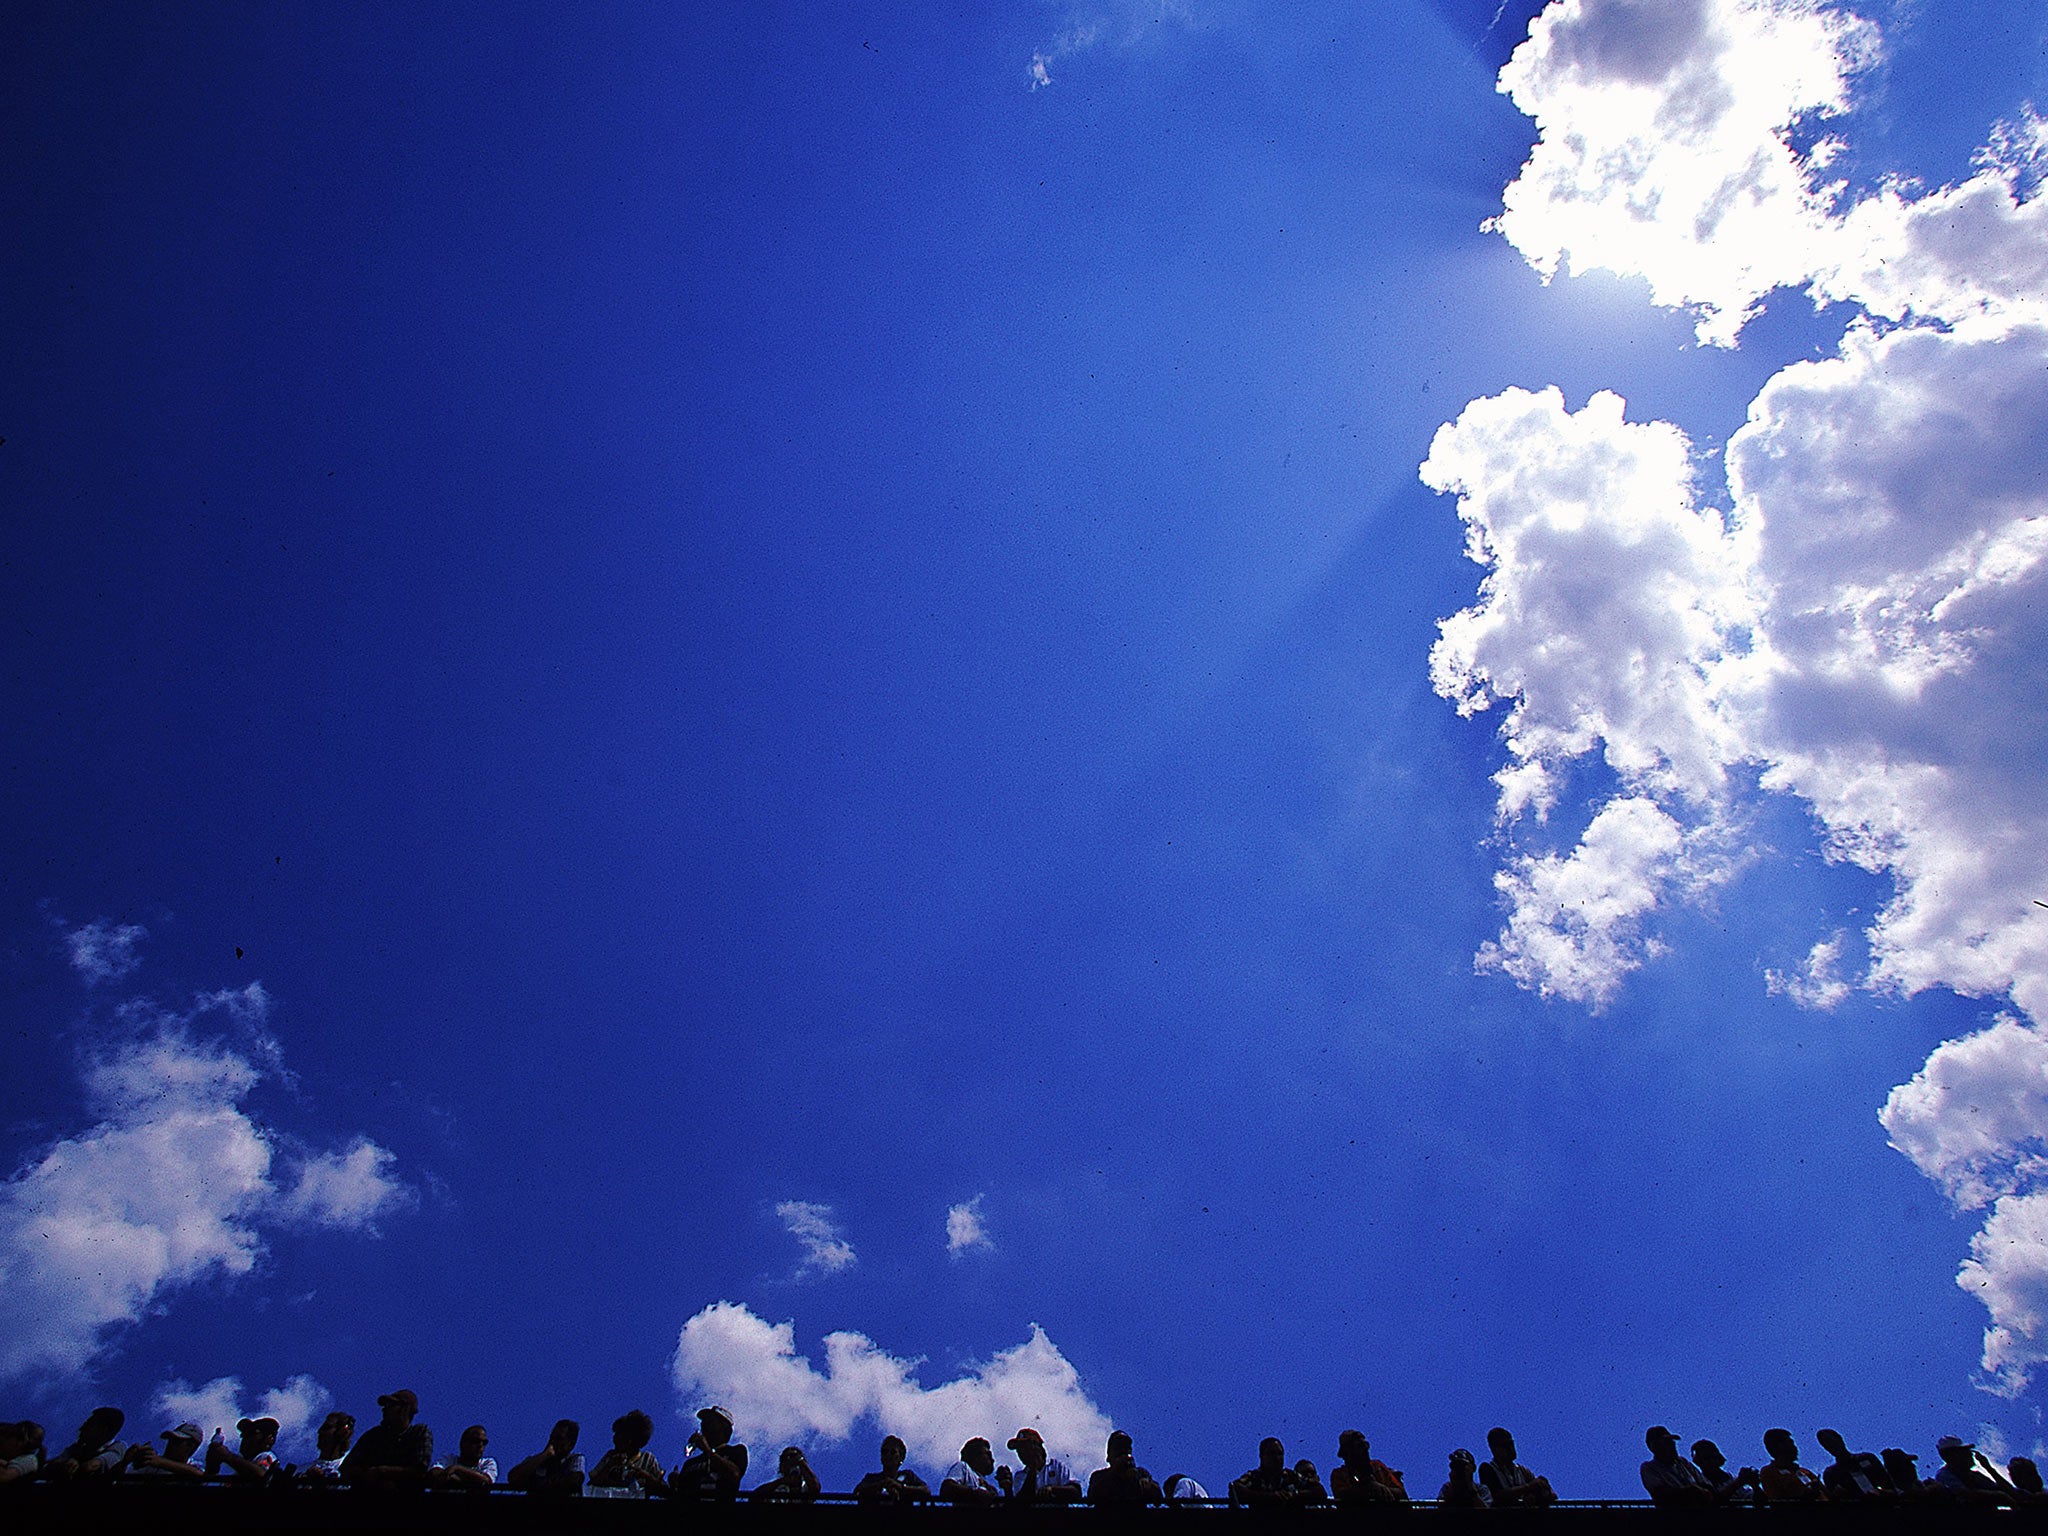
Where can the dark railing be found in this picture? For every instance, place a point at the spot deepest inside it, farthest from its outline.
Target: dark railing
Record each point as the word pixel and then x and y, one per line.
pixel 156 1510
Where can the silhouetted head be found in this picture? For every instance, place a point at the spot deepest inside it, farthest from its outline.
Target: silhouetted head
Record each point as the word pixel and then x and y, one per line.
pixel 1707 1456
pixel 472 1444
pixel 181 1440
pixel 978 1455
pixel 1119 1446
pixel 14 1440
pixel 631 1431
pixel 1662 1443
pixel 400 1407
pixel 101 1425
pixel 1781 1445
pixel 1029 1446
pixel 715 1425
pixel 1463 1465
pixel 791 1458
pixel 337 1431
pixel 1898 1466
pixel 1272 1454
pixel 2025 1475
pixel 1306 1471
pixel 258 1435
pixel 1955 1452
pixel 563 1436
pixel 893 1452
pixel 1353 1449
pixel 1831 1441
pixel 1501 1443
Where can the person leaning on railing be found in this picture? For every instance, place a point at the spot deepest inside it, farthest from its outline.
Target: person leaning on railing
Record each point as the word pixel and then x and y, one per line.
pixel 1359 1479
pixel 396 1452
pixel 469 1470
pixel 1123 1484
pixel 895 1483
pixel 629 1464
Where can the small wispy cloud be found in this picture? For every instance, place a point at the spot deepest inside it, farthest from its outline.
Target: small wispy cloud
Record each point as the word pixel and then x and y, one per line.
pixel 1111 23
pixel 965 1228
pixel 826 1250
pixel 101 951
pixel 1818 983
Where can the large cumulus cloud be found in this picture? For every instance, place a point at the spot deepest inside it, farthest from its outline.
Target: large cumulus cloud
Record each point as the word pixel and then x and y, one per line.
pixel 173 1183
pixel 728 1354
pixel 1853 615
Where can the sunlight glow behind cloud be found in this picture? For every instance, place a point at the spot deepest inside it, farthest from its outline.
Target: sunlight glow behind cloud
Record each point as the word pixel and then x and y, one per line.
pixel 729 1355
pixel 1861 628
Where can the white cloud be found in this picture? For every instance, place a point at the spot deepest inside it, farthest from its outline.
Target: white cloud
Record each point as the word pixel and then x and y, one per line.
pixel 729 1355
pixel 172 1185
pixel 102 951
pixel 1664 148
pixel 1861 629
pixel 2008 1271
pixel 298 1406
pixel 826 1250
pixel 965 1229
pixel 348 1189
pixel 1974 1118
pixel 1818 982
pixel 1113 23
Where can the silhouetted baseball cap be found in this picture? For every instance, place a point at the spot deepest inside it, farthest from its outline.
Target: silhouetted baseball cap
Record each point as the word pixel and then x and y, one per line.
pixel 404 1398
pixel 1657 1434
pixel 185 1431
pixel 1952 1443
pixel 1026 1433
pixel 716 1412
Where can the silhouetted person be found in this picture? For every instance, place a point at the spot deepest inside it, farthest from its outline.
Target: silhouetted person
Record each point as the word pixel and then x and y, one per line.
pixel 1669 1479
pixel 716 1462
pixel 253 1460
pixel 555 1471
pixel 396 1452
pixel 1461 1490
pixel 629 1464
pixel 1900 1467
pixel 1963 1479
pixel 895 1483
pixel 975 1478
pixel 2026 1479
pixel 1123 1484
pixel 793 1483
pixel 175 1461
pixel 336 1434
pixel 1272 1484
pixel 1358 1479
pixel 1511 1483
pixel 1783 1480
pixel 1853 1476
pixel 21 1451
pixel 1729 1487
pixel 1179 1488
pixel 469 1470
pixel 97 1451
pixel 1044 1479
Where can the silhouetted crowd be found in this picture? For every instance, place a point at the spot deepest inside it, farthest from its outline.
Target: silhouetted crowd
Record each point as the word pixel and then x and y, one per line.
pixel 397 1453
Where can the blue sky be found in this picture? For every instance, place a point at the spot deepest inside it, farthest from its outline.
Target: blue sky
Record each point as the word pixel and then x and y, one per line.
pixel 791 659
